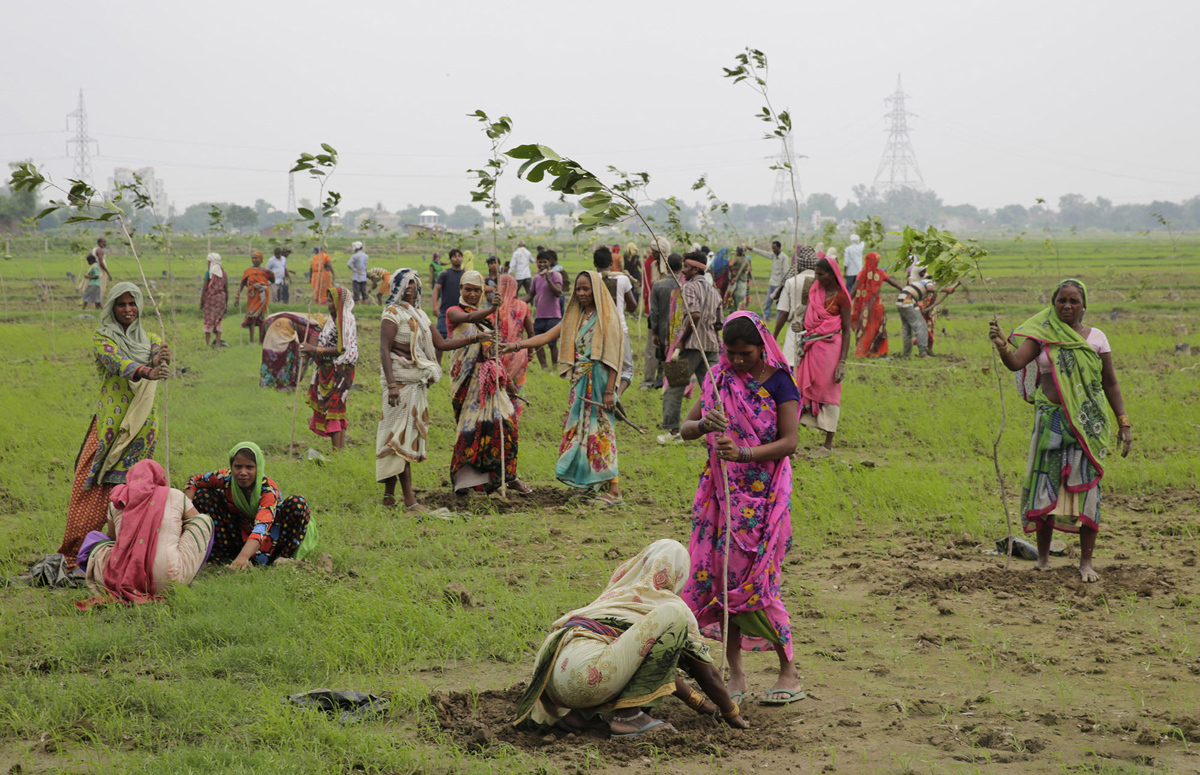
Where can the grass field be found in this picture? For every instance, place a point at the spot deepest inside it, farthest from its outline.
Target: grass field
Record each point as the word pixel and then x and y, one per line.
pixel 921 655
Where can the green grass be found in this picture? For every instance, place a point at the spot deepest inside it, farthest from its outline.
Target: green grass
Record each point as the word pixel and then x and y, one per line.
pixel 196 684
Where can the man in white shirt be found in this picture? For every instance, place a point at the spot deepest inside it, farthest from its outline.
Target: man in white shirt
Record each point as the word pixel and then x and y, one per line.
pixel 358 271
pixel 519 267
pixel 277 266
pixel 853 261
pixel 779 268
pixel 622 288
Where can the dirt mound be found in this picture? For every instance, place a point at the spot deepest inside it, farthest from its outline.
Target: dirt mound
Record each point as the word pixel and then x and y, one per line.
pixel 482 721
pixel 540 498
pixel 1022 579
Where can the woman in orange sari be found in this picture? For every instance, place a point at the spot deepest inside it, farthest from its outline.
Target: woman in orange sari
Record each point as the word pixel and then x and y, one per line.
pixel 868 316
pixel 515 324
pixel 321 275
pixel 257 283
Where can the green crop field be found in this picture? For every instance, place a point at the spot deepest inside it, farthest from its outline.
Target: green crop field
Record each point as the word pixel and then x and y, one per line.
pixel 920 653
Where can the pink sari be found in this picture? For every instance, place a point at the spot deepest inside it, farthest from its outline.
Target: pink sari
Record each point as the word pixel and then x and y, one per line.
pixel 814 372
pixel 760 499
pixel 513 313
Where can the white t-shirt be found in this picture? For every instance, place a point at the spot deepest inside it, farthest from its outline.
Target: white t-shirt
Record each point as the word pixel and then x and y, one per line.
pixel 519 266
pixel 793 302
pixel 624 285
pixel 277 266
pixel 854 258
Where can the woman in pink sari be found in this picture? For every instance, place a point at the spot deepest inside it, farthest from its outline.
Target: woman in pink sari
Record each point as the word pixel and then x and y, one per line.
pixel 822 362
pixel 753 432
pixel 515 324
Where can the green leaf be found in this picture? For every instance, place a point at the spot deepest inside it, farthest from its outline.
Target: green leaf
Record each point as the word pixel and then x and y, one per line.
pixel 306 213
pixel 329 149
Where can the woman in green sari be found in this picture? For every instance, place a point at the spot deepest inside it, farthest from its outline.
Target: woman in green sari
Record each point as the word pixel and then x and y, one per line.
pixel 604 663
pixel 1069 377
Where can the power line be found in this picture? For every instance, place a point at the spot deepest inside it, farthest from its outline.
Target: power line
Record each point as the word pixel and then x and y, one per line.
pixel 82 142
pixel 898 168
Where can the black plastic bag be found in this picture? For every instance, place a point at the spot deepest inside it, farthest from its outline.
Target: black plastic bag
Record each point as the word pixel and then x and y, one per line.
pixel 347 706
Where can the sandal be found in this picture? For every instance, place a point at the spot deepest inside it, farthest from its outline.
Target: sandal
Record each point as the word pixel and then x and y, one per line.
pixel 607 500
pixel 389 501
pixel 791 697
pixel 520 487
pixel 653 725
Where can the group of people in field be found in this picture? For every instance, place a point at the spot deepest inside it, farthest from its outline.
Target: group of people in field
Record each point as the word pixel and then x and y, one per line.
pixel 607 664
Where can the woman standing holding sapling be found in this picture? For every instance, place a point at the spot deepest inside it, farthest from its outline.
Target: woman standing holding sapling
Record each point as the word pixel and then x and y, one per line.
pixel 1072 430
pixel 214 300
pixel 823 358
pixel 123 428
pixel 408 348
pixel 868 317
pixel 487 426
pixel 335 352
pixel 590 356
pixel 753 430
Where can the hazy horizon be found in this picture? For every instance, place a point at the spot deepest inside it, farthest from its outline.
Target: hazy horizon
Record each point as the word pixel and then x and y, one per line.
pixel 1013 101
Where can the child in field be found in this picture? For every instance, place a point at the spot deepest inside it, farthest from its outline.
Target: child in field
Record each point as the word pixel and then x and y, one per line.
pixel 752 431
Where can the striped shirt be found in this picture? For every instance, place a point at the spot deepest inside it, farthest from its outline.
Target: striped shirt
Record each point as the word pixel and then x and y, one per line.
pixel 702 298
pixel 915 292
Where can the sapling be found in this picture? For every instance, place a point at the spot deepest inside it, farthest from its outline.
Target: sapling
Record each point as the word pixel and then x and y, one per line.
pixel 82 200
pixel 485 191
pixel 320 167
pixel 947 260
pixel 610 205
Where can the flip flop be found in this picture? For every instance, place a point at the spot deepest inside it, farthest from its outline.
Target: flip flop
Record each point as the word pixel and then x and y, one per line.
pixel 795 696
pixel 653 725
pixel 737 697
pixel 603 501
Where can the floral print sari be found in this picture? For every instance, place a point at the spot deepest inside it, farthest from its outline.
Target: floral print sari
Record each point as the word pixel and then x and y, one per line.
pixel 587 456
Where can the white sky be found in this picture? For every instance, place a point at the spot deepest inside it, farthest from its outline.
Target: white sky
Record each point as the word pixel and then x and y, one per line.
pixel 1015 99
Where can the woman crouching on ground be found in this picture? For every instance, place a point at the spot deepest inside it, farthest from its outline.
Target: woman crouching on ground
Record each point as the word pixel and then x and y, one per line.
pixel 1072 432
pixel 603 664
pixel 253 523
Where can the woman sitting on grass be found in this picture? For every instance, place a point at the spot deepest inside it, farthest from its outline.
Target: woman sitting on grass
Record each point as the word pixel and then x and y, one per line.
pixel 253 523
pixel 335 353
pixel 590 356
pixel 1076 382
pixel 604 663
pixel 408 348
pixel 754 436
pixel 160 539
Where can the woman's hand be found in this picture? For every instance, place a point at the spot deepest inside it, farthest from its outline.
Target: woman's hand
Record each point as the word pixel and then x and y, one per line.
pixel 161 371
pixel 309 349
pixel 713 421
pixel 839 371
pixel 393 395
pixel 239 563
pixel 737 722
pixel 727 449
pixel 507 348
pixel 610 401
pixel 798 326
pixel 163 355
pixel 999 340
pixel 1126 437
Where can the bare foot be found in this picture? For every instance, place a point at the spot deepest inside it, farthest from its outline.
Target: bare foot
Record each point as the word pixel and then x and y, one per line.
pixel 1088 575
pixel 1042 564
pixel 636 724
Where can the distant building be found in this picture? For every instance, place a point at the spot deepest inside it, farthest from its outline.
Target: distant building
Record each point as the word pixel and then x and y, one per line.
pixel 387 220
pixel 151 186
pixel 819 220
pixel 532 222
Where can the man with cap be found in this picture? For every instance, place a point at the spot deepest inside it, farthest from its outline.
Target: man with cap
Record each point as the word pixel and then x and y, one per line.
pixel 358 271
pixel 519 266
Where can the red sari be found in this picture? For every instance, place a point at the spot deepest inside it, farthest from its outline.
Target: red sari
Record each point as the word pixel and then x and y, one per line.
pixel 868 316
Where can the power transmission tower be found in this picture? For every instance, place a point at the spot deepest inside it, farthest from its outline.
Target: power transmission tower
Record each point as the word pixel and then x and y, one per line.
pixel 898 168
pixel 783 182
pixel 291 204
pixel 82 142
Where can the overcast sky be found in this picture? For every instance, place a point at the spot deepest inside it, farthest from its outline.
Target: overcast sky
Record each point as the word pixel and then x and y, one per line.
pixel 1013 100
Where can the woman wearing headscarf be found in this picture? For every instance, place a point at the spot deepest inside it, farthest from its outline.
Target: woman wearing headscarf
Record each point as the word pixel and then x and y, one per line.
pixel 253 524
pixel 748 419
pixel 822 357
pixel 633 265
pixel 487 427
pixel 123 427
pixel 868 316
pixel 158 538
pixel 335 354
pixel 604 663
pixel 214 299
pixel 591 347
pixel 408 348
pixel 515 321
pixel 1067 373
pixel 257 283
pixel 286 331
